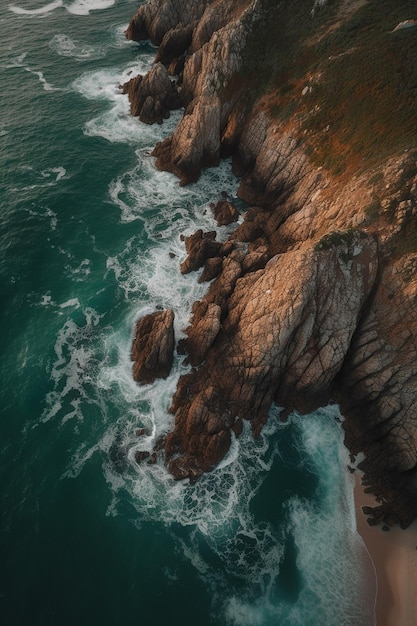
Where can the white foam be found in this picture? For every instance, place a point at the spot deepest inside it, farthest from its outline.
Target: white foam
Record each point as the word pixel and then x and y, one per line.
pixel 79 7
pixel 81 272
pixel 47 8
pixel 116 124
pixel 72 302
pixel 64 46
pixel 48 214
pixel 20 62
pixel 46 300
pixel 83 7
pixel 74 367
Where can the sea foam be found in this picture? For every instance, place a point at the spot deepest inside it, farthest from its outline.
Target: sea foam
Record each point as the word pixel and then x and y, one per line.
pixel 84 7
pixel 64 46
pixel 79 7
pixel 47 8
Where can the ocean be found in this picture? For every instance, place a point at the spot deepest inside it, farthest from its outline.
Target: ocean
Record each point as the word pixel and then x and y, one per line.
pixel 90 241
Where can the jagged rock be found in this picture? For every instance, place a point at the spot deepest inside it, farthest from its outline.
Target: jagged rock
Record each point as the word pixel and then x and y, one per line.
pixel 141 455
pixel 152 96
pixel 285 336
pixel 204 327
pixel 175 43
pixel 237 427
pixel 195 143
pixel 157 17
pixel 304 314
pixel 207 434
pixel 200 246
pixel 212 268
pixel 224 212
pixel 152 349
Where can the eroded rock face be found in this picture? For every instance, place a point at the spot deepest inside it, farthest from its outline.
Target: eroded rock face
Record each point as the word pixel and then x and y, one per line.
pixel 153 345
pixel 224 212
pixel 311 297
pixel 285 336
pixel 379 393
pixel 155 18
pixel 195 144
pixel 152 96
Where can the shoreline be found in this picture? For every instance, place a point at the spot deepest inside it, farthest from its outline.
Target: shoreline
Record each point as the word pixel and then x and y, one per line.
pixel 393 555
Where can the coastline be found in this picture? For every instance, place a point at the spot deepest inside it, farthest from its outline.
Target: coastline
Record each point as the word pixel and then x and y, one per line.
pixel 394 558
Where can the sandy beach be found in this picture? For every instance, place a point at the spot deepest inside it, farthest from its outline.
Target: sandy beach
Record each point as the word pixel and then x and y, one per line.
pixel 394 557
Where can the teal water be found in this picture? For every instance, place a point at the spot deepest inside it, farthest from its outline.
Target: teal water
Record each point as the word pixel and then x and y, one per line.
pixel 87 228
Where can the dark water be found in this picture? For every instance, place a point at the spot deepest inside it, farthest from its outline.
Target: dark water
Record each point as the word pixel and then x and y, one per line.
pixel 87 225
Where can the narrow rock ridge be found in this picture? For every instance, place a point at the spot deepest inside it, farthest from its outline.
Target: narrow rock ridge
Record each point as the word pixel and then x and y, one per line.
pixel 313 297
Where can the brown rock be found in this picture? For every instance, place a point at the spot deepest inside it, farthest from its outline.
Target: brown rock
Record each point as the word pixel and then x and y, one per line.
pixel 175 43
pixel 155 18
pixel 141 455
pixel 212 268
pixel 204 327
pixel 269 346
pixel 152 96
pixel 200 246
pixel 237 427
pixel 224 212
pixel 152 349
pixel 195 143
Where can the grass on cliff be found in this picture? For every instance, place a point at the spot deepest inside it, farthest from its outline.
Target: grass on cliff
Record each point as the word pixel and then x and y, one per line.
pixel 363 107
pixel 350 85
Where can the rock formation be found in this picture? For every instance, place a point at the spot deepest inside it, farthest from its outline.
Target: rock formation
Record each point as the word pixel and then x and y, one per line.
pixel 153 345
pixel 152 96
pixel 224 212
pixel 313 297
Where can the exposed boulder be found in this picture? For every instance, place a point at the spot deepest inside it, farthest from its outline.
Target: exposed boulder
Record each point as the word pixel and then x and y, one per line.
pixel 153 345
pixel 200 246
pixel 195 143
pixel 152 96
pixel 212 268
pixel 224 212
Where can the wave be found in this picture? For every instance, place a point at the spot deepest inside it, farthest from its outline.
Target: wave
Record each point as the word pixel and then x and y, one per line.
pixel 84 7
pixel 47 8
pixel 79 7
pixel 240 556
pixel 64 46
pixel 32 178
pixel 216 525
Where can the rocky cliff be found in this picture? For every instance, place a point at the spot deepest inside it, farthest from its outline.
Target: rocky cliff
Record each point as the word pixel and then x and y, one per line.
pixel 313 297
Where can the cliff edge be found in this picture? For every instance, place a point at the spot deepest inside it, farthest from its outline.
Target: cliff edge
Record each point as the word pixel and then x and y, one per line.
pixel 313 297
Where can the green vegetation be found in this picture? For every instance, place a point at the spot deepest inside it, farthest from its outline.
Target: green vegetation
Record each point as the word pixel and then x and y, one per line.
pixel 338 238
pixel 367 92
pixel 361 108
